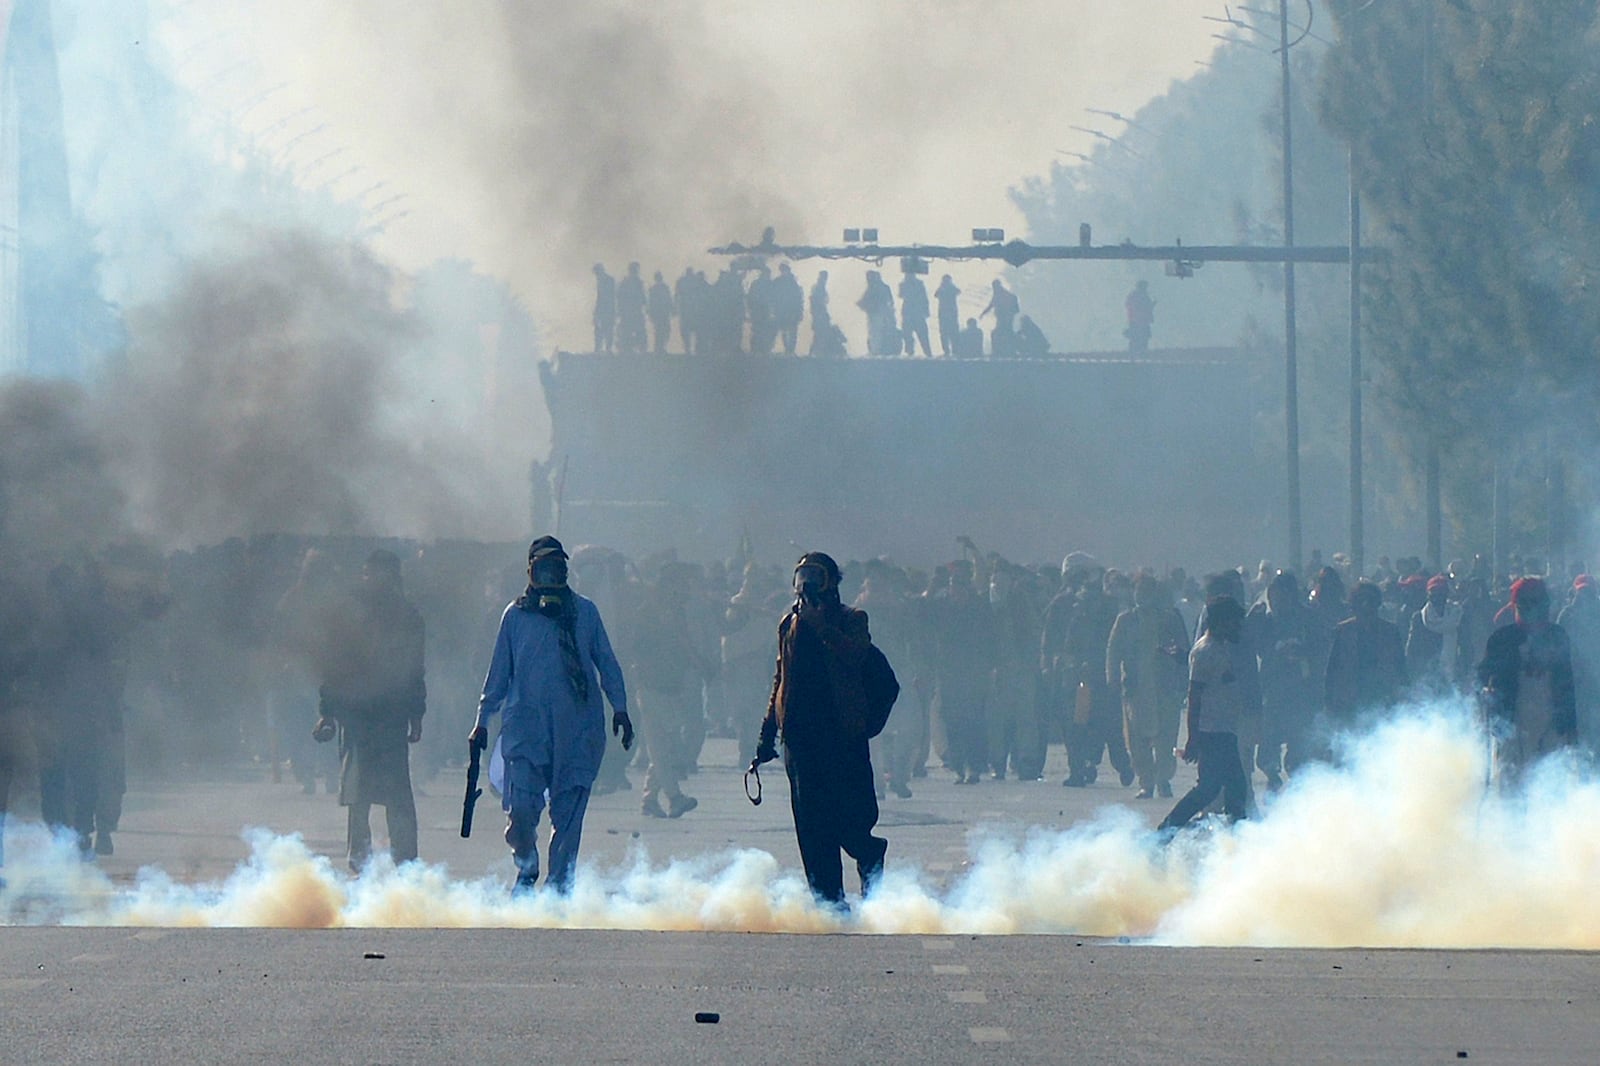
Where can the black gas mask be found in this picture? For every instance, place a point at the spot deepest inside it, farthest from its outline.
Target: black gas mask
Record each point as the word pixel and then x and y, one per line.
pixel 547 581
pixel 811 584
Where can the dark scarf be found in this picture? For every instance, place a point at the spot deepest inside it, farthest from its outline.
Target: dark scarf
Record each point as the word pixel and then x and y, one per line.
pixel 567 628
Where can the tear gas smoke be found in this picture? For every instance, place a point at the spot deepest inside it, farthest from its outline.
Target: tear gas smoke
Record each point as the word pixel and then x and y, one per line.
pixel 1401 848
pixel 269 393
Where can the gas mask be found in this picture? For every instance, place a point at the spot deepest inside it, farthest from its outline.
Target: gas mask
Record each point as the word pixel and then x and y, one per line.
pixel 547 579
pixel 810 584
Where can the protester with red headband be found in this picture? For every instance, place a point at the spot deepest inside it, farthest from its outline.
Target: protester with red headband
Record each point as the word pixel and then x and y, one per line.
pixel 1436 656
pixel 1526 674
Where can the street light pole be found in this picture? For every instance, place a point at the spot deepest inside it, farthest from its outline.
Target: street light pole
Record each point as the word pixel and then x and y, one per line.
pixel 1358 538
pixel 1357 506
pixel 1291 372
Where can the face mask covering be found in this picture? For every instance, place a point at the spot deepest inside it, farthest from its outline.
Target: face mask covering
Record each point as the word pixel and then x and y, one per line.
pixel 549 580
pixel 809 583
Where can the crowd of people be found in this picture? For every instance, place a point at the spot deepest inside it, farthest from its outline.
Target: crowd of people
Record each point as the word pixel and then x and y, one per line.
pixel 255 651
pixel 730 316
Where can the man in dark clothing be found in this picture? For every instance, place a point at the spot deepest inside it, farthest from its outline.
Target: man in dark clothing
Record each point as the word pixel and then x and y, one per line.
pixel 1527 675
pixel 1277 630
pixel 964 665
pixel 660 304
pixel 79 701
pixel 788 307
pixel 914 314
pixel 759 303
pixel 1581 619
pixel 1004 306
pixel 686 296
pixel 818 707
pixel 630 311
pixel 1096 708
pixel 373 696
pixel 1141 315
pixel 822 327
pixel 1366 663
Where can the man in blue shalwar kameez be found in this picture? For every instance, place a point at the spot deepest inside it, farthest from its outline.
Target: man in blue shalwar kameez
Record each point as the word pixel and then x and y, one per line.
pixel 542 678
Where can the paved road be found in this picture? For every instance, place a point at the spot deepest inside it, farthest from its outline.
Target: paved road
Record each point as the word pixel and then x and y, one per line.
pixel 220 996
pixel 169 995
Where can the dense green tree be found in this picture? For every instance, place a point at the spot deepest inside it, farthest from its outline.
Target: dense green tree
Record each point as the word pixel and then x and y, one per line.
pixel 1477 141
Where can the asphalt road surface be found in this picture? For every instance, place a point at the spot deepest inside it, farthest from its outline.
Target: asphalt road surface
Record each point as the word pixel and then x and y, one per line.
pixel 75 995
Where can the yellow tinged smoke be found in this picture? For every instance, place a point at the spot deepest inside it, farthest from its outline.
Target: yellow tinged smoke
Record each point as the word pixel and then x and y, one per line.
pixel 1401 847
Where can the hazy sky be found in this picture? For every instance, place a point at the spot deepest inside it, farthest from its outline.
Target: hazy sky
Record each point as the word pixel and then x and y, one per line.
pixel 535 136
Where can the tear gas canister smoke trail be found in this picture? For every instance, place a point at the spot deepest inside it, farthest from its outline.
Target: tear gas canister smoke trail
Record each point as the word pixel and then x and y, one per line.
pixel 1400 848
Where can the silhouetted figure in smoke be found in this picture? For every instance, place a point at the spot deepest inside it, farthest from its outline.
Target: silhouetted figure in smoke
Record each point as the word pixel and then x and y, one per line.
pixel 668 670
pixel 965 660
pixel 969 344
pixel 1031 341
pixel 1526 674
pixel 660 305
pixel 763 333
pixel 605 309
pixel 878 304
pixel 1223 691
pixel 788 305
pixel 1141 316
pixel 914 314
pixel 1278 630
pixel 686 295
pixel 1366 664
pixel 80 703
pixel 373 697
pixel 1004 306
pixel 949 318
pixel 543 677
pixel 630 311
pixel 1581 619
pixel 1096 728
pixel 818 707
pixel 1146 662
pixel 1435 655
pixel 826 338
pixel 17 622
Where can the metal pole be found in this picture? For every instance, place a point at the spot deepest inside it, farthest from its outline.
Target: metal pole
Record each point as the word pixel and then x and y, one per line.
pixel 1358 543
pixel 1291 372
pixel 1435 509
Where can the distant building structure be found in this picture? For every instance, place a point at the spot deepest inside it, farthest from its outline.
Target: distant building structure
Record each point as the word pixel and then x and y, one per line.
pixel 52 318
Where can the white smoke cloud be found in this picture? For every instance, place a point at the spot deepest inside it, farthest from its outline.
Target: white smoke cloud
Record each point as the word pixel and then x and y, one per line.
pixel 1401 848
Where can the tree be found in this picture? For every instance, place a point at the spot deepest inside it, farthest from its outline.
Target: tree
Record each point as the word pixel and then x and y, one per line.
pixel 1478 137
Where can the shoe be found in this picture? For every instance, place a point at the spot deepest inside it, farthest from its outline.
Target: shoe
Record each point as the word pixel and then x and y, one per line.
pixel 1144 794
pixel 900 789
pixel 1076 781
pixel 1126 777
pixel 681 805
pixel 651 808
pixel 102 843
pixel 1164 789
pixel 523 885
